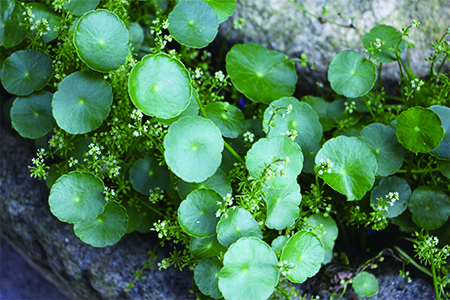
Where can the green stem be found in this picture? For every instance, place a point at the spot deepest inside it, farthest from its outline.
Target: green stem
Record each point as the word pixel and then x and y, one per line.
pixel 442 64
pixel 418 171
pixel 319 18
pixel 234 153
pixel 379 76
pixel 202 109
pixel 369 108
pixel 418 266
pixel 410 163
pixel 434 278
pixel 151 207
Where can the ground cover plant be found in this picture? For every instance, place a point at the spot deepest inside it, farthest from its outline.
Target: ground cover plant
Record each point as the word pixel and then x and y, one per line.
pixel 139 129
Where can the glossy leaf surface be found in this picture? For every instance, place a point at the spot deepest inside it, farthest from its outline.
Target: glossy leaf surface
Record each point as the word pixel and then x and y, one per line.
pixel 430 207
pixel 389 37
pixel 391 185
pixel 236 223
pixel 146 174
pixel 12 26
pixel 206 276
pixel 227 117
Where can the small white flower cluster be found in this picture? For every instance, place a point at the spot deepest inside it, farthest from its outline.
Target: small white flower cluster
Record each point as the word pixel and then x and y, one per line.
pixel 94 151
pixel 227 202
pixel 378 43
pixel 219 76
pixel 161 227
pixel 39 170
pixel 198 73
pixel 292 134
pixel 350 107
pixel 136 114
pixel 285 267
pixel 72 162
pixel 248 137
pixel 392 197
pixel 156 195
pixel 42 26
pixel 417 84
pixel 110 194
pixel 325 166
pixel 110 165
pixel 319 84
pixel 238 23
pixel 59 4
pixel 289 109
pixel 163 265
pixel 57 140
pixel 415 23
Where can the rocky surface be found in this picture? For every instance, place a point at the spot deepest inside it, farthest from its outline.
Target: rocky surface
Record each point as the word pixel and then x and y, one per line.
pixel 78 270
pixel 281 26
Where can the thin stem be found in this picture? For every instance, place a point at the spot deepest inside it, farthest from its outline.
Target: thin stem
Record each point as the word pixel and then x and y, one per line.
pixel 369 108
pixel 320 18
pixel 234 153
pixel 379 76
pixel 151 207
pixel 415 264
pixel 433 271
pixel 418 171
pixel 442 64
pixel 202 109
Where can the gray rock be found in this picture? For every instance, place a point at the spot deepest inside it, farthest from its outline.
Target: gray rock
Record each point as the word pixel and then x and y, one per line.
pixel 281 26
pixel 78 270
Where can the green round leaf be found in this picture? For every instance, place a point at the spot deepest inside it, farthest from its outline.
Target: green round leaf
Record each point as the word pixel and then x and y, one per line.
pixel 278 244
pixel 351 74
pixel 13 28
pixel 388 185
pixel 320 106
pixel 405 222
pixel 389 37
pixel 82 102
pixel 32 115
pixel 305 251
pixel 419 129
pixel 282 205
pixel 79 7
pixel 223 8
pixel 444 167
pixel 326 230
pixel 443 150
pixel 197 214
pixel 270 154
pixel 193 148
pixel 101 40
pixel 77 196
pixel 206 247
pixel 146 174
pixel 137 35
pixel 250 270
pixel 191 110
pixel 26 71
pixel 303 119
pixel 227 117
pixel 236 223
pixel 40 11
pixel 353 166
pixel 383 143
pixel 106 229
pixel 219 182
pixel 193 23
pixel 80 148
pixel 160 86
pixel 430 207
pixel 260 74
pixel 330 230
pixel 206 276
pixel 365 284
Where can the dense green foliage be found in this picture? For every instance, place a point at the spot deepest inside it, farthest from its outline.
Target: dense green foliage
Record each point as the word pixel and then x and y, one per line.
pixel 144 134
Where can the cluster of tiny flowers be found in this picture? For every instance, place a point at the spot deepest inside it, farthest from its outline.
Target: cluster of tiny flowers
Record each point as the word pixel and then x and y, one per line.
pixel 404 274
pixel 159 227
pixel 110 194
pixel 163 265
pixel 59 4
pixel 378 43
pixel 238 23
pixel 57 140
pixel 248 137
pixel 156 195
pixel 415 23
pixel 159 129
pixel 289 109
pixel 292 134
pixel 319 84
pixel 94 151
pixel 41 26
pixel 285 267
pixel 72 162
pixel 325 166
pixel 227 202
pixel 350 107
pixel 28 15
pixel 417 84
pixel 110 165
pixel 39 170
pixel 156 29
pixel 392 197
pixel 198 73
pixel 219 76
